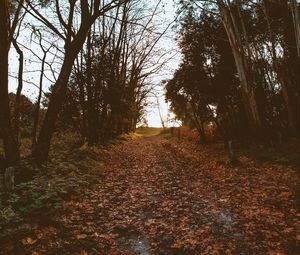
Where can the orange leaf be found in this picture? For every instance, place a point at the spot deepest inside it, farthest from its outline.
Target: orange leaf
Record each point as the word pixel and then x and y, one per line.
pixel 153 231
pixel 81 236
pixel 28 241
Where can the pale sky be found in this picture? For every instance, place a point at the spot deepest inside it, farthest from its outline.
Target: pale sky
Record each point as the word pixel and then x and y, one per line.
pixel 32 67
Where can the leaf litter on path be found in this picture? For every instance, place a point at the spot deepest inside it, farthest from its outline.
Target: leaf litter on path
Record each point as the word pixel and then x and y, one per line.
pixel 161 197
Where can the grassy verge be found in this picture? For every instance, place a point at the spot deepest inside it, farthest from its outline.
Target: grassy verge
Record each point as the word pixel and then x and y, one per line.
pixel 147 132
pixel 42 190
pixel 69 169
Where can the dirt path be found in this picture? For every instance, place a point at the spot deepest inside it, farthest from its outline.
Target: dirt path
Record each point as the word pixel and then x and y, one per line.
pixel 163 197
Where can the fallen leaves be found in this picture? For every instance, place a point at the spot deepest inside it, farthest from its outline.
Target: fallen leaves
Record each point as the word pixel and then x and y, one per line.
pixel 28 241
pixel 190 203
pixel 81 236
pixel 36 253
pixel 159 196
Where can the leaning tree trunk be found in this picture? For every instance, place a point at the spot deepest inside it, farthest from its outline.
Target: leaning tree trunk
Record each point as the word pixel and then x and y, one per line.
pixel 73 44
pixel 248 94
pixel 296 21
pixel 72 49
pixel 38 104
pixel 295 80
pixel 10 146
pixel 92 114
pixel 16 122
pixel 42 146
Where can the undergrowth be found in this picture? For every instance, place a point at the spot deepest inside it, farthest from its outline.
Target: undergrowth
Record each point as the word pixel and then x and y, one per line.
pixel 70 168
pixel 283 154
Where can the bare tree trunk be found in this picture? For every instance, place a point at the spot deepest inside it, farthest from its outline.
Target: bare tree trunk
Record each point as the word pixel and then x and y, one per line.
pixel 42 147
pixel 10 146
pixel 291 60
pixel 232 156
pixel 81 88
pixel 16 123
pixel 248 94
pixel 199 124
pixel 38 103
pixel 92 114
pixel 73 44
pixel 296 21
pixel 160 114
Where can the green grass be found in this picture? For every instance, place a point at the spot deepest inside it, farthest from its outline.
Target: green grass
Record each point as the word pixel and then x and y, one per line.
pixel 148 131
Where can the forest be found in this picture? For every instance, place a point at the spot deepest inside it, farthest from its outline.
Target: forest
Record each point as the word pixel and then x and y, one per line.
pixel 240 70
pixel 81 170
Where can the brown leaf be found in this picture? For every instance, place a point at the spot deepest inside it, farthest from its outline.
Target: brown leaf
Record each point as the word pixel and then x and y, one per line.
pixel 81 236
pixel 152 231
pixel 36 253
pixel 276 253
pixel 28 241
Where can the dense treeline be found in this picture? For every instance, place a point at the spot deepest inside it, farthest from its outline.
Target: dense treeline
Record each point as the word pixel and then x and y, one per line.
pixel 98 57
pixel 240 69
